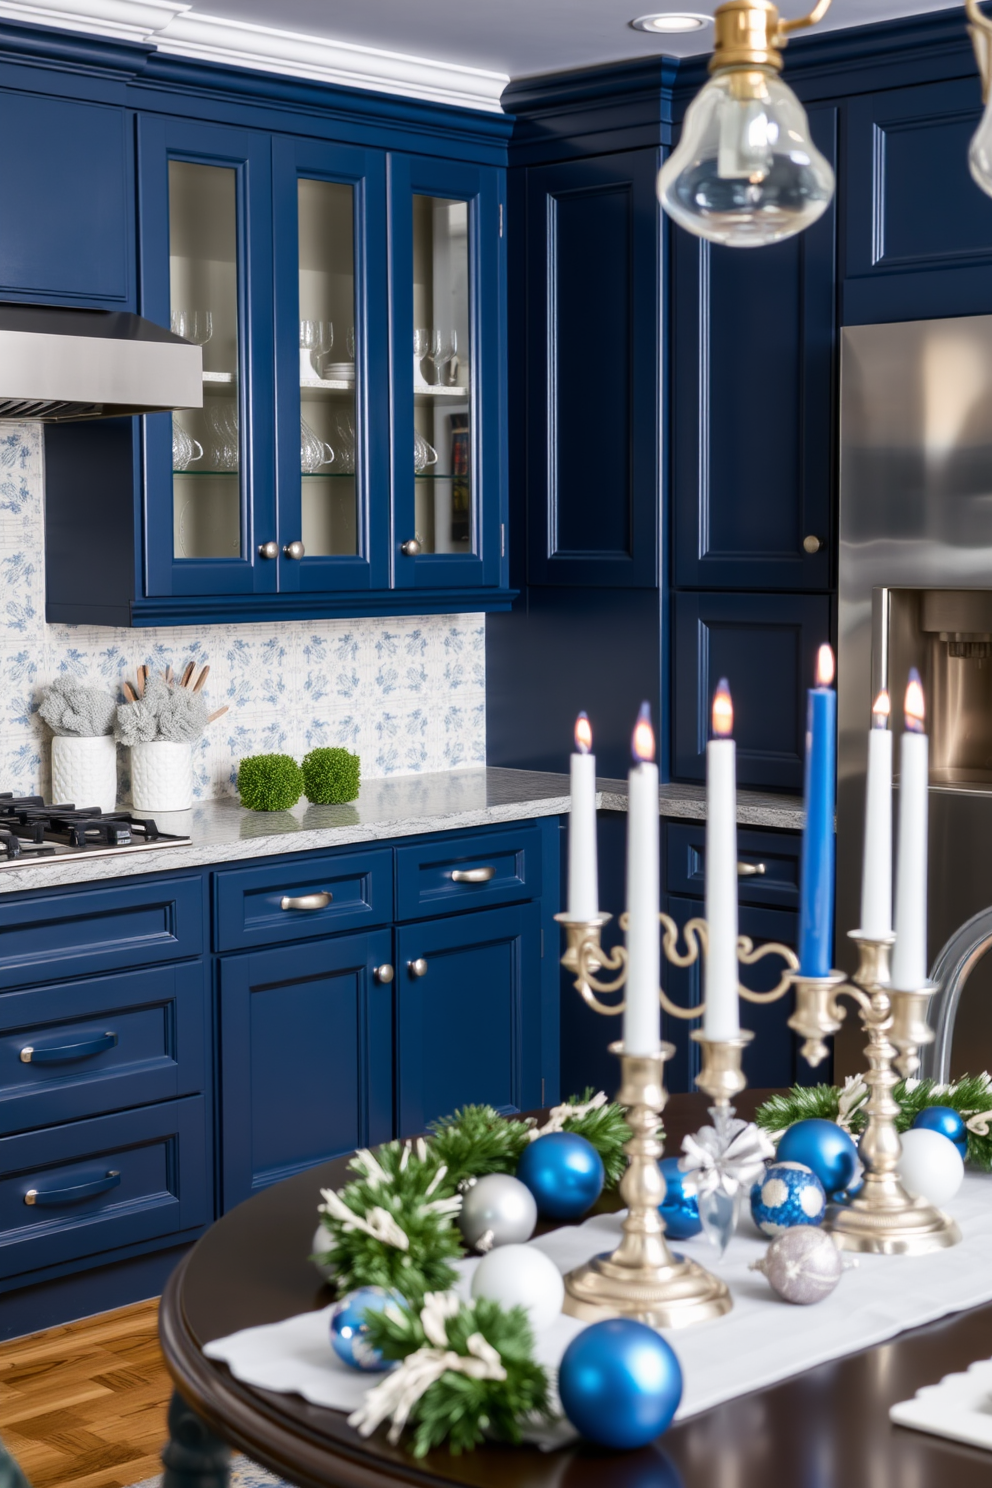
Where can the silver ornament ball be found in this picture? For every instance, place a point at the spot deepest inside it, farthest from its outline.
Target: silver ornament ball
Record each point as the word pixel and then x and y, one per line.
pixel 497 1210
pixel 803 1265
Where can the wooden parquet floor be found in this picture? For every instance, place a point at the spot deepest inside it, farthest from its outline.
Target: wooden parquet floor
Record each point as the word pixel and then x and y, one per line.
pixel 84 1405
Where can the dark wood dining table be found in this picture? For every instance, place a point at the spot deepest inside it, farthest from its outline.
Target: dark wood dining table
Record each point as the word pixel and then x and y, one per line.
pixel 827 1427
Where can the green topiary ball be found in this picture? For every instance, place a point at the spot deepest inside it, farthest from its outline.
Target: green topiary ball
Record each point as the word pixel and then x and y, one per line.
pixel 331 776
pixel 269 782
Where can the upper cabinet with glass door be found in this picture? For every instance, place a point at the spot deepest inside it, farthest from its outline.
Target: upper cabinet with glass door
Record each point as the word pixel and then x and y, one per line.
pixel 445 263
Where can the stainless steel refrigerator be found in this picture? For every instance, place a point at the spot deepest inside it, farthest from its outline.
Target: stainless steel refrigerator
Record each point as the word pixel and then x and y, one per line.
pixel 915 588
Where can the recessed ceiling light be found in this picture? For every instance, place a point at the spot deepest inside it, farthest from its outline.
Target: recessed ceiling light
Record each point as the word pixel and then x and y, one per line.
pixel 669 21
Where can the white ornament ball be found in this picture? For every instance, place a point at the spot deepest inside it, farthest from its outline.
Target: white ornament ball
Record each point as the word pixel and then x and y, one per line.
pixel 497 1210
pixel 803 1265
pixel 320 1250
pixel 521 1276
pixel 930 1165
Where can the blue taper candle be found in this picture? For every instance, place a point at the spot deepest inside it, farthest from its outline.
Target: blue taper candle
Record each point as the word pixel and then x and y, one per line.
pixel 816 912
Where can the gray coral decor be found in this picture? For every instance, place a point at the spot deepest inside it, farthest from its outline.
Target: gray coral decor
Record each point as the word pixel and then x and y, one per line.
pixel 162 712
pixel 70 709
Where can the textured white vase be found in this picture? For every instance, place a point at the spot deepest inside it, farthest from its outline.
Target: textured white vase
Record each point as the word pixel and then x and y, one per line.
pixel 84 771
pixel 161 776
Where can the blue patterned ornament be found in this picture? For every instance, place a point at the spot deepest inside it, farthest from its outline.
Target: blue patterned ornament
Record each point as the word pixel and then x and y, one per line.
pixel 789 1194
pixel 565 1174
pixel 825 1148
pixel 948 1122
pixel 679 1210
pixel 620 1383
pixel 349 1328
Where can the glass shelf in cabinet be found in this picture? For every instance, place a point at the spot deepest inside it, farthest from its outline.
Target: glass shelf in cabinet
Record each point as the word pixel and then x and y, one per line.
pixel 206 472
pixel 440 392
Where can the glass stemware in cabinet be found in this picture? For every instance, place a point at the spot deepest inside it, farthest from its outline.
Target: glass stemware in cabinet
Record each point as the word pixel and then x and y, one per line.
pixel 203 284
pixel 442 402
pixel 329 447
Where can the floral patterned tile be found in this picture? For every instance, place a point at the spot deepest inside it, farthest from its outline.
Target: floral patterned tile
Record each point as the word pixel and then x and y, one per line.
pixel 401 740
pixel 24 764
pixel 334 663
pixel 463 734
pixel 404 660
pixel 21 672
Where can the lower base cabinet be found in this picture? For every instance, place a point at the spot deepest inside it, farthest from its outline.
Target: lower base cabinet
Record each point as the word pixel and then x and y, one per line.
pixel 306 1057
pixel 468 1014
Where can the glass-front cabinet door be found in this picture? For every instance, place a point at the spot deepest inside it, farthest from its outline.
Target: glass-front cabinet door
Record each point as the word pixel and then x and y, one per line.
pixel 446 309
pixel 206 271
pixel 332 384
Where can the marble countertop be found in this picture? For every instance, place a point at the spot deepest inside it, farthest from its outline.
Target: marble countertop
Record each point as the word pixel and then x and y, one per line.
pixel 223 831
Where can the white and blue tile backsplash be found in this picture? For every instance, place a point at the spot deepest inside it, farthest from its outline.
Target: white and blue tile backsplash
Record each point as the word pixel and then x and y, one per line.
pixel 406 694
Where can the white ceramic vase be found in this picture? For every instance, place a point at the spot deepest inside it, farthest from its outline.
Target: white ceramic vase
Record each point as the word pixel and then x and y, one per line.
pixel 84 771
pixel 161 776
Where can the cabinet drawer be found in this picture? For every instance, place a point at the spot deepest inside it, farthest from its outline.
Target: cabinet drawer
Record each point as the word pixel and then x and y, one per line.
pixel 79 1190
pixel 318 894
pixel 773 857
pixel 83 1048
pixel 498 868
pixel 48 937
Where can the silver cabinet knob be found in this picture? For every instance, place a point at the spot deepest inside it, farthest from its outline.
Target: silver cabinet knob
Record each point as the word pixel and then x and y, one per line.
pixel 411 547
pixel 294 549
pixel 384 973
pixel 748 870
pixel 268 550
pixel 473 875
pixel 417 968
pixel 320 900
pixel 811 544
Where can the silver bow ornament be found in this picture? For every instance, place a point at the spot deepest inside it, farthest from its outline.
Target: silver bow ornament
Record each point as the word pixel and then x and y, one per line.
pixel 727 1157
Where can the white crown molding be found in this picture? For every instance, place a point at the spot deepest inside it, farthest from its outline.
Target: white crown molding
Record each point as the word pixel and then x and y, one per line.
pixel 176 28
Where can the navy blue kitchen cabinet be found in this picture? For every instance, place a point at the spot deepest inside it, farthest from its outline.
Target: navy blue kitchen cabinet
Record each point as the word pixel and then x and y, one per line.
pixel 357 483
pixel 903 262
pixel 306 1057
pixel 765 645
pixel 468 1014
pixel 752 406
pixel 173 1042
pixel 593 262
pixel 69 230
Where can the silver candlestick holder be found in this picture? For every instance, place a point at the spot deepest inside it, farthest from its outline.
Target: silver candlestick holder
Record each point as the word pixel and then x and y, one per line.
pixel 882 1217
pixel 642 1278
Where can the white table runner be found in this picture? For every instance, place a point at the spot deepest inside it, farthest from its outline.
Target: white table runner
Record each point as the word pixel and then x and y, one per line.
pixel 761 1341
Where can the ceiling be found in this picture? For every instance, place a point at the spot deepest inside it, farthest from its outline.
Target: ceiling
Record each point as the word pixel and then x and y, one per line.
pixel 521 37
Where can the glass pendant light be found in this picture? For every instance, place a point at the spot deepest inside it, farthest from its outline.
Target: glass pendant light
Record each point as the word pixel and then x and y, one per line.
pixel 980 149
pixel 746 172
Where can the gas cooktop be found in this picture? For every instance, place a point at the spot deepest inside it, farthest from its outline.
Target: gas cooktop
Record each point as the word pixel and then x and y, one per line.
pixel 32 832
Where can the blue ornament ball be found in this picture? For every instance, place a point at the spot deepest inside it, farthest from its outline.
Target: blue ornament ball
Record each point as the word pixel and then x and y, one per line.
pixel 679 1210
pixel 789 1194
pixel 948 1122
pixel 825 1148
pixel 565 1174
pixel 349 1329
pixel 620 1383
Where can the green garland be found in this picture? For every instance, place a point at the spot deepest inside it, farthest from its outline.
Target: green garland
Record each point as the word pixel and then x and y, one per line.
pixel 458 1409
pixel 477 1140
pixel 392 1226
pixel 971 1096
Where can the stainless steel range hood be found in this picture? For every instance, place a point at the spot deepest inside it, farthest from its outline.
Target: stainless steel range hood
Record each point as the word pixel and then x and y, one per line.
pixel 59 364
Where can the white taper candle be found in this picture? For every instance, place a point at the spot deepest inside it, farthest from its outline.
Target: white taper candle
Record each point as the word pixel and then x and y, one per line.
pixel 876 872
pixel 583 872
pixel 909 958
pixel 642 1012
pixel 721 1020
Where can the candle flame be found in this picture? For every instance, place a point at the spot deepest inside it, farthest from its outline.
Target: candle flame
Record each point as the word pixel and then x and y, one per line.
pixel 583 733
pixel 723 711
pixel 914 710
pixel 824 667
pixel 642 743
pixel 880 710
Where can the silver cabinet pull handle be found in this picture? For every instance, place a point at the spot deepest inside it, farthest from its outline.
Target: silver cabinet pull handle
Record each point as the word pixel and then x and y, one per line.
pixel 320 900
pixel 65 1053
pixel 410 548
pixel 45 1197
pixel 473 875
pixel 384 973
pixel 748 870
pixel 268 550
pixel 294 549
pixel 417 968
